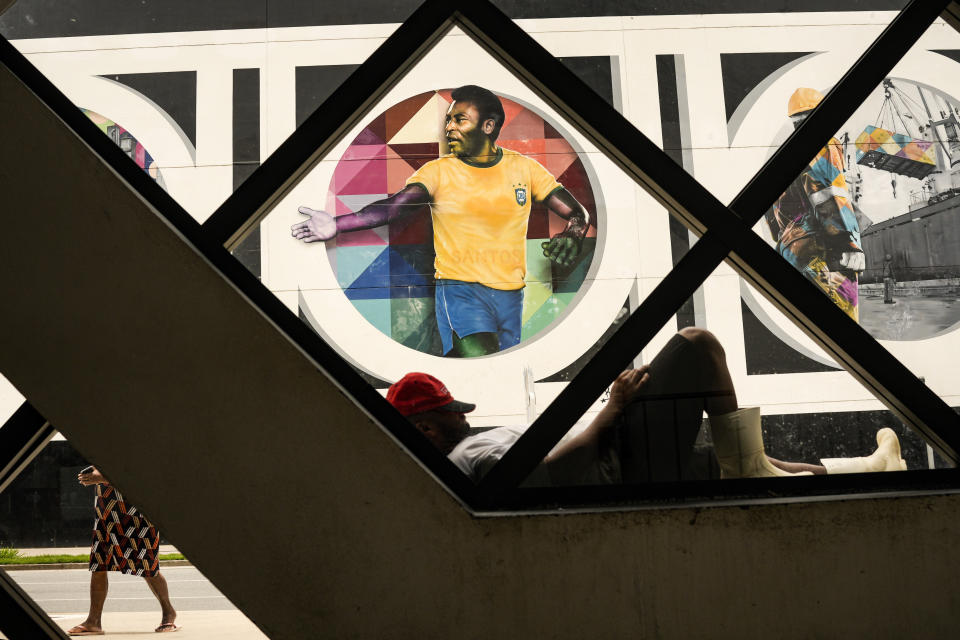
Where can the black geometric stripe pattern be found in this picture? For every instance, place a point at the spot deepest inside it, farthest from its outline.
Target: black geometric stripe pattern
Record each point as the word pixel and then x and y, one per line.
pixel 124 540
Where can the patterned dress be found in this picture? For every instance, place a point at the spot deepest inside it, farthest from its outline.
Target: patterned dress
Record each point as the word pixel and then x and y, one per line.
pixel 123 539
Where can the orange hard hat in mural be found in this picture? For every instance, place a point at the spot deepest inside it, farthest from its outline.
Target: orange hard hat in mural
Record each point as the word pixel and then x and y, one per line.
pixel 803 99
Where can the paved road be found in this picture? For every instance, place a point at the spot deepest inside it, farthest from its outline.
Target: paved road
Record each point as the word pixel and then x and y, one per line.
pixel 67 591
pixel 131 610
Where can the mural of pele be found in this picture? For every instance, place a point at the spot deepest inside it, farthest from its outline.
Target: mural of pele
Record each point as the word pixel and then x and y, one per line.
pixel 458 222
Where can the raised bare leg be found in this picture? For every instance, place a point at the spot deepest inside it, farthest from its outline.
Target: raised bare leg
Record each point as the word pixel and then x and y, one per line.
pixel 720 397
pixel 687 377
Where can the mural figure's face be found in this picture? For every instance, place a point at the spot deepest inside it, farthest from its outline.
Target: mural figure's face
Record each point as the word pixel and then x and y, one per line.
pixel 797 119
pixel 466 135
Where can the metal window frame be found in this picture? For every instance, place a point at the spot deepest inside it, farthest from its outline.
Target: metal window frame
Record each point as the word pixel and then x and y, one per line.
pixel 725 232
pixel 21 617
pixel 22 437
pixel 725 235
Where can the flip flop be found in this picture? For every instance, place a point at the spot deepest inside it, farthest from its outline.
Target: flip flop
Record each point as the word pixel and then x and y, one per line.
pixel 167 627
pixel 81 630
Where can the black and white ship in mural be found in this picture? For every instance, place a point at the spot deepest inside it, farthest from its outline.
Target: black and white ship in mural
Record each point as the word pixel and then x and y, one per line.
pixel 916 144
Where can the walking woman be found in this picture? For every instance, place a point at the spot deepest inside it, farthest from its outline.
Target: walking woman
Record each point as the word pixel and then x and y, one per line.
pixel 125 541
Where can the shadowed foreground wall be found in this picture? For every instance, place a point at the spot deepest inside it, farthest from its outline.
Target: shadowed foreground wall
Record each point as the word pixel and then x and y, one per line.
pixel 156 368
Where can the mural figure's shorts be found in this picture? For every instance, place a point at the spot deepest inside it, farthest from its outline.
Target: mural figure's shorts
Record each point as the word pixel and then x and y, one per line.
pixel 469 307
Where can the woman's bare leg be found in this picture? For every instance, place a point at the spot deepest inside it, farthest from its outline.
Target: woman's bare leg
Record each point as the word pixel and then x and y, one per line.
pixel 98 595
pixel 158 584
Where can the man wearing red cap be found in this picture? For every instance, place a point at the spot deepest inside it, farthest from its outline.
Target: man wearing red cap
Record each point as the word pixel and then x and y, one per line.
pixel 644 432
pixel 430 406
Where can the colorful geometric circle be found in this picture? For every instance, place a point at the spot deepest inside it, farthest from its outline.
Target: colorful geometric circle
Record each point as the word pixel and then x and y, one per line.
pixel 388 273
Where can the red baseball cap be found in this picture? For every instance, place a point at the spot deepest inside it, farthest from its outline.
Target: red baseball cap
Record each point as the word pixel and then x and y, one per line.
pixel 418 392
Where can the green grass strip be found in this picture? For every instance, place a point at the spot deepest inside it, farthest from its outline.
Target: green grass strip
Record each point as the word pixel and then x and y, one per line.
pixel 64 558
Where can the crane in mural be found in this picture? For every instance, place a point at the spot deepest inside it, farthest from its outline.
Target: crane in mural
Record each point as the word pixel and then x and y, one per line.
pixel 916 135
pixel 914 139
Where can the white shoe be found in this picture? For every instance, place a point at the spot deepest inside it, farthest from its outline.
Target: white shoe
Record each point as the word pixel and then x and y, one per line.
pixel 738 443
pixel 885 458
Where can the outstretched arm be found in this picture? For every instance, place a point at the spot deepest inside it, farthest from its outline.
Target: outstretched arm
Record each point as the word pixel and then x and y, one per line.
pixel 564 247
pixel 324 226
pixel 570 460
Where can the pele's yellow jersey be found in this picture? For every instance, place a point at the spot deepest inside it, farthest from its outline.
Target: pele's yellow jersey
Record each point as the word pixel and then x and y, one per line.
pixel 480 214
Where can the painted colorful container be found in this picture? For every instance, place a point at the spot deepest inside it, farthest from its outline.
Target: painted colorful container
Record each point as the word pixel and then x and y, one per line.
pixel 895 152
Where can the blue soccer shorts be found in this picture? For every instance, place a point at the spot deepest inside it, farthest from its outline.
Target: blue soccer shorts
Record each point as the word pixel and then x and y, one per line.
pixel 470 307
